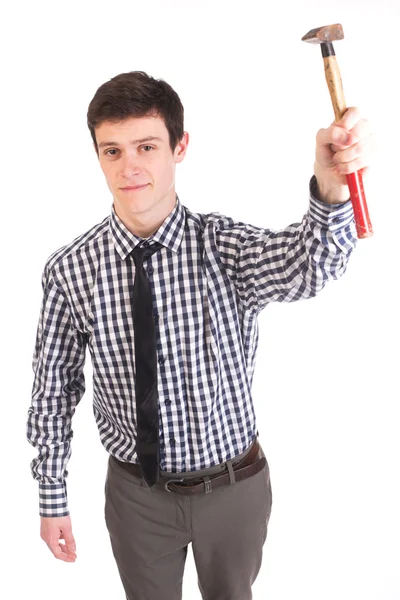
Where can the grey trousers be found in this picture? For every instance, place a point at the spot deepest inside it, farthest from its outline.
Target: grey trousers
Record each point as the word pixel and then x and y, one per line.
pixel 150 530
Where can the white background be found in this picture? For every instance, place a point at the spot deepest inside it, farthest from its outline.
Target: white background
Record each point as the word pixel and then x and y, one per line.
pixel 326 382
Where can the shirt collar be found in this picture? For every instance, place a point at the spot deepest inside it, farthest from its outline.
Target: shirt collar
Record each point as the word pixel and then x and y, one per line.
pixel 169 234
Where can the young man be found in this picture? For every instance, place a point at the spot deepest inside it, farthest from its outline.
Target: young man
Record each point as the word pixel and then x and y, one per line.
pixel 194 471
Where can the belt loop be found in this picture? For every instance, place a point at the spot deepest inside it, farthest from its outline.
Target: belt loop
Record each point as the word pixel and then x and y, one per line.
pixel 231 472
pixel 207 484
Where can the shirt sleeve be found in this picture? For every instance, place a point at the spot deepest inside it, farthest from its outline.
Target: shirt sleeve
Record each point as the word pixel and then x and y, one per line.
pixel 58 386
pixel 290 264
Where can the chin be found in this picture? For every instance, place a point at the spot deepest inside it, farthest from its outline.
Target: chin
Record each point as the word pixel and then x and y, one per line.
pixel 137 204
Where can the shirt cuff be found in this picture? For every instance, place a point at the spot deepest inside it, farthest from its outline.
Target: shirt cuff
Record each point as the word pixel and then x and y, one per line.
pixel 53 500
pixel 331 216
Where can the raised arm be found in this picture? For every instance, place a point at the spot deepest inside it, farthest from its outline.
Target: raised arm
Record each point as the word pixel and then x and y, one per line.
pixel 291 264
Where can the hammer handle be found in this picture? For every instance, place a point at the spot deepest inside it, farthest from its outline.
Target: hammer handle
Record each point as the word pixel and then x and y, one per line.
pixel 354 180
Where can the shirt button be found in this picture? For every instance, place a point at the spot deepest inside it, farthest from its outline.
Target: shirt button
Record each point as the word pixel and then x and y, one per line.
pixel 150 270
pixel 172 441
pixel 336 219
pixel 167 401
pixel 161 360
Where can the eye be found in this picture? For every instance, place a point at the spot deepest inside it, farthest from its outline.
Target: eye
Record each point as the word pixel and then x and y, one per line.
pixel 148 148
pixel 111 150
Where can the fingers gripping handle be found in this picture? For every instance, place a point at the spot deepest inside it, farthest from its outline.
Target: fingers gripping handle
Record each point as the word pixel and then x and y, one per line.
pixel 354 180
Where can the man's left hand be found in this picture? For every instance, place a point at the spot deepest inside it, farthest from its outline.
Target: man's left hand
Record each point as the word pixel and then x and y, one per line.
pixel 342 148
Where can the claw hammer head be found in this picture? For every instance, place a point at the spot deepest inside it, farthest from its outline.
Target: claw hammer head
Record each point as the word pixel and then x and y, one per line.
pixel 324 35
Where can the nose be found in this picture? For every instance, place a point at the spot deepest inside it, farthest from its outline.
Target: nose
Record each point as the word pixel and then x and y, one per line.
pixel 130 166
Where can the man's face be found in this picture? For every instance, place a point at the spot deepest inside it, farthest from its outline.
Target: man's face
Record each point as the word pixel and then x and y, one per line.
pixel 138 164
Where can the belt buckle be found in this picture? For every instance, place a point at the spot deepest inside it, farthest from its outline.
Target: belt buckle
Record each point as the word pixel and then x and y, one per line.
pixel 171 481
pixel 206 479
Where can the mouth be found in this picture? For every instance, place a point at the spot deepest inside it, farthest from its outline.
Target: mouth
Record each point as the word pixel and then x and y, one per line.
pixel 130 188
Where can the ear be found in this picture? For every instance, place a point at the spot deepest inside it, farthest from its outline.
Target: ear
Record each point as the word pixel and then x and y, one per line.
pixel 181 148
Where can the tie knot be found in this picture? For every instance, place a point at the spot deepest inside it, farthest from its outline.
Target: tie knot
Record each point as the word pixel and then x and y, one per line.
pixel 142 253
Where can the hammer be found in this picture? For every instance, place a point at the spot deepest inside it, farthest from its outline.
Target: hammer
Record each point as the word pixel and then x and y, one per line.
pixel 325 36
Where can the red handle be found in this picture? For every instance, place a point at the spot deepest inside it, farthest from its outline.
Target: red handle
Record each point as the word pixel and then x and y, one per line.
pixel 357 196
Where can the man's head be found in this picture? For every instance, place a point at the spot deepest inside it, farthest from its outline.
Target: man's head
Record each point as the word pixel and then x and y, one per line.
pixel 136 123
pixel 136 94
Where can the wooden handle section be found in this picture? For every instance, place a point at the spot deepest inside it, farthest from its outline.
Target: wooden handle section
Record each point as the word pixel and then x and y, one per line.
pixel 334 81
pixel 354 180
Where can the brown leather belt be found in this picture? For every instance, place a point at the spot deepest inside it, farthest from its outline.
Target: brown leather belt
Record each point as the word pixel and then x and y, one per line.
pixel 249 465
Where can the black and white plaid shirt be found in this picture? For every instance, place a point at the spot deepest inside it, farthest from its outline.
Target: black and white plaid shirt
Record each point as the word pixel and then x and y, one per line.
pixel 209 281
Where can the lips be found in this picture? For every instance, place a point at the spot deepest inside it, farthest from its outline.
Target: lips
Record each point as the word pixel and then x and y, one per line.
pixel 134 187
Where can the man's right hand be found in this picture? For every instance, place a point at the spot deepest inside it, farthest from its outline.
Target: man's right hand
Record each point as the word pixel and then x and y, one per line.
pixel 54 529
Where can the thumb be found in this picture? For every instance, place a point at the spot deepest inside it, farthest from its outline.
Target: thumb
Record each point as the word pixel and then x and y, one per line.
pixel 349 118
pixel 69 540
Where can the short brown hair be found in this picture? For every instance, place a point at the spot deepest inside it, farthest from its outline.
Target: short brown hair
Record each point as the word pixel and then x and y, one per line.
pixel 136 94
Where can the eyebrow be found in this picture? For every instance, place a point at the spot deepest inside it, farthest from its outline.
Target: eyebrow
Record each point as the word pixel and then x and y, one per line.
pixel 150 138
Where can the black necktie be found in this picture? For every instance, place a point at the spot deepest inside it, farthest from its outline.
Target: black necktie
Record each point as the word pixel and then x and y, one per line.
pixel 147 442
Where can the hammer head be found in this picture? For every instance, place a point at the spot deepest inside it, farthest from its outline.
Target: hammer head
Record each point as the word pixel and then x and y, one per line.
pixel 324 35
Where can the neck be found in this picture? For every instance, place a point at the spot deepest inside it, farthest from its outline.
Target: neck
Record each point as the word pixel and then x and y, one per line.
pixel 144 224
